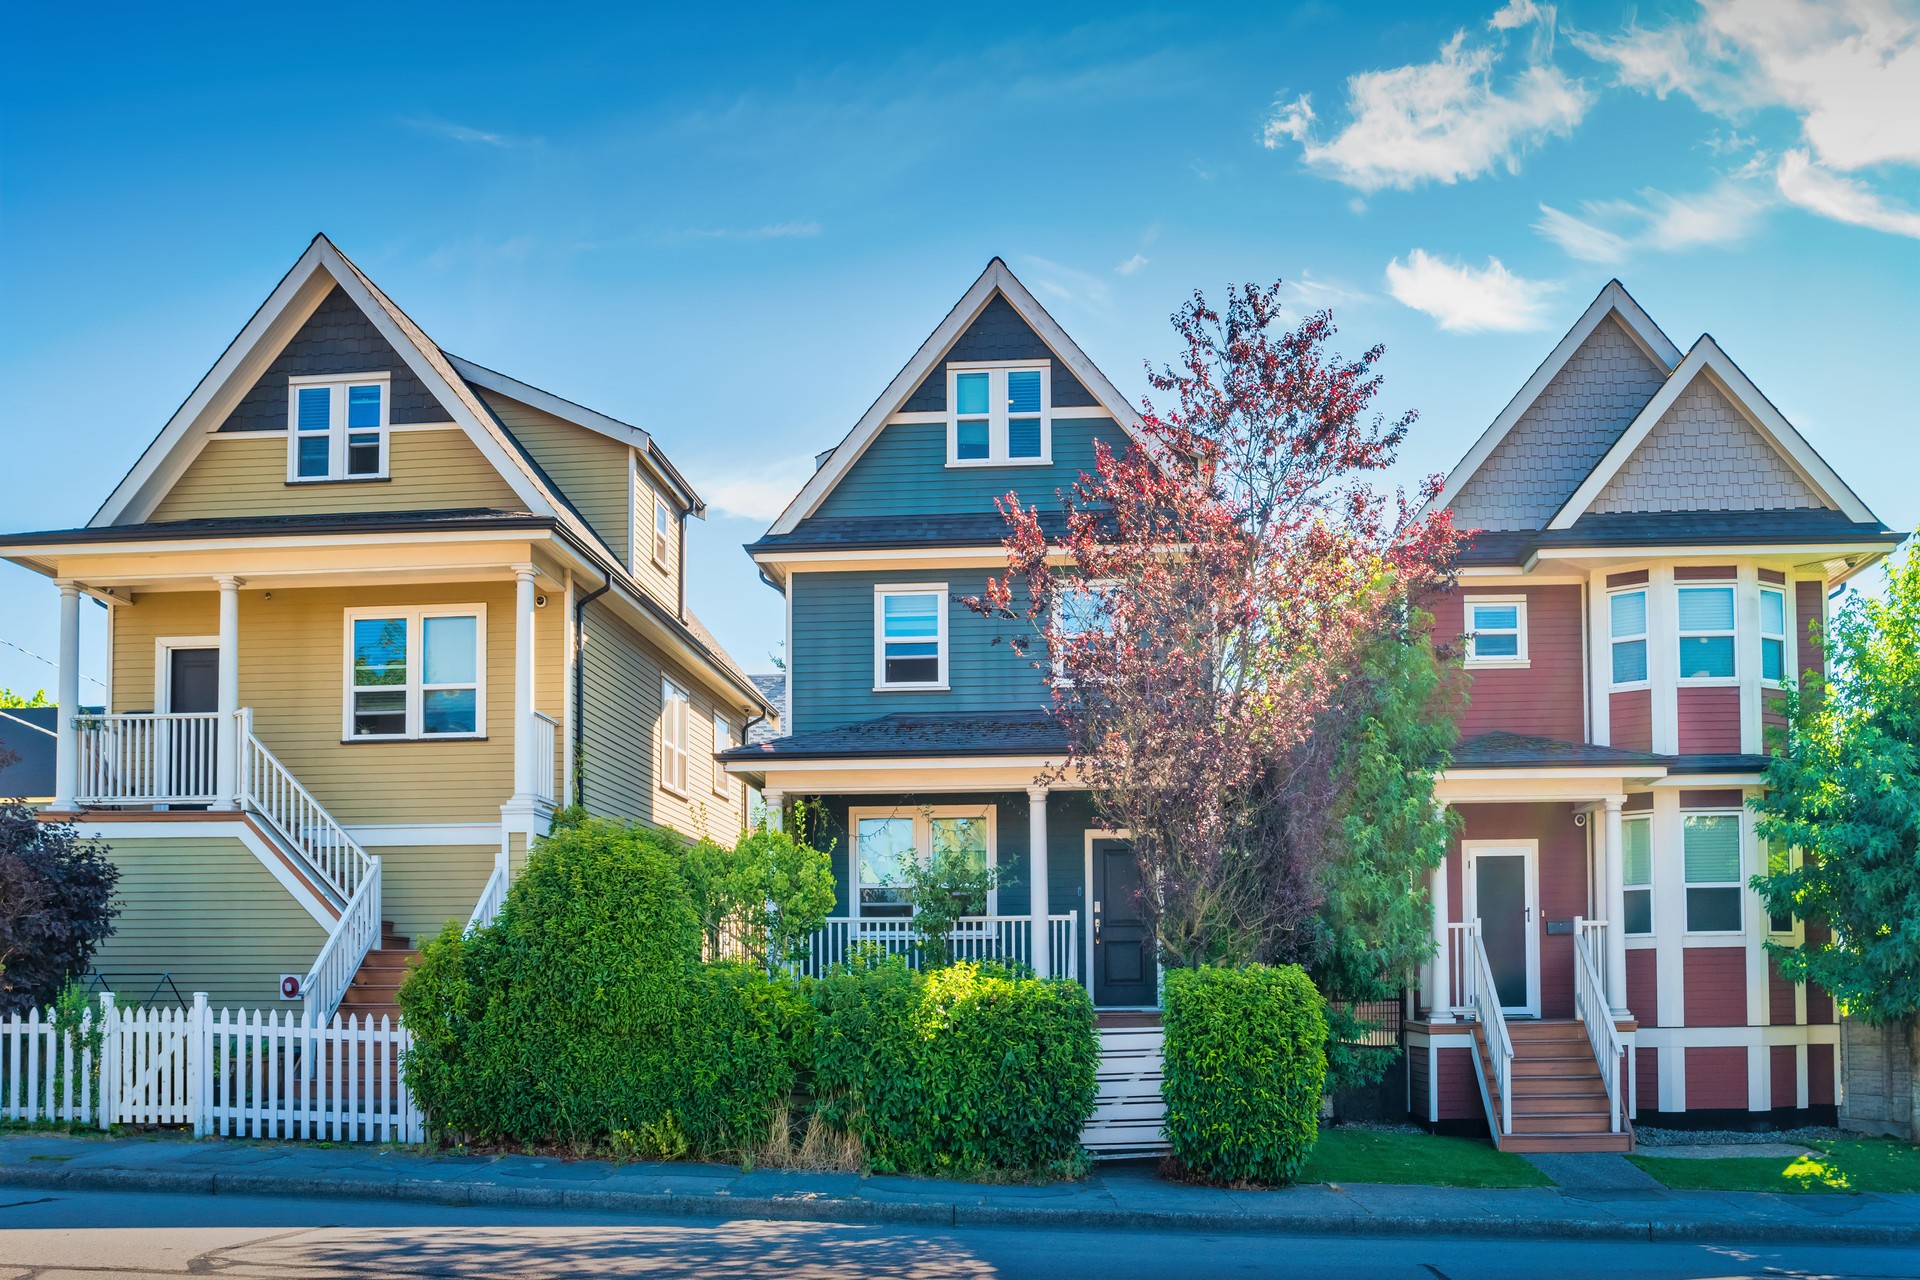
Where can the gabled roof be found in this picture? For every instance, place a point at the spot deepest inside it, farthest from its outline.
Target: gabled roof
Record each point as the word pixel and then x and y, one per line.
pixel 1708 361
pixel 998 279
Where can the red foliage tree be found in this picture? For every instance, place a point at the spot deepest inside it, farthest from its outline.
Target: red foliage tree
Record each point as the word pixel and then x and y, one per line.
pixel 1204 602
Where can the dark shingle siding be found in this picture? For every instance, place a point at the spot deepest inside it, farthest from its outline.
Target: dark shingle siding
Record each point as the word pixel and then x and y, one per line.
pixel 337 338
pixel 998 333
pixel 920 733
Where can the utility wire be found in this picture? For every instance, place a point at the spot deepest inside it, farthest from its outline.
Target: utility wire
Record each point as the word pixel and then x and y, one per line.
pixel 18 648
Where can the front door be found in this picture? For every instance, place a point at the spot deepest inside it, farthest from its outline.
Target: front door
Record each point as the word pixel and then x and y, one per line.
pixel 1501 884
pixel 1124 973
pixel 193 680
pixel 186 749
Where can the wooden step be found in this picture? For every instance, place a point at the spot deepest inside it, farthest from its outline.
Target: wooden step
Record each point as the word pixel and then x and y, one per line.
pixel 1546 1031
pixel 1574 1122
pixel 1532 1068
pixel 1590 1086
pixel 1559 1103
pixel 1569 1142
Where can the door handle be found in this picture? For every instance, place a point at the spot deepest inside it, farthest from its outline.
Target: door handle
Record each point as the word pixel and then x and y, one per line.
pixel 1096 921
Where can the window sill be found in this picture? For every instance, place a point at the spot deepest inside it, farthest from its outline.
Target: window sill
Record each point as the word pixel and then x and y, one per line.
pixel 912 688
pixel 1708 682
pixel 309 480
pixel 960 463
pixel 1717 937
pixel 1635 687
pixel 675 792
pixel 1497 664
pixel 413 739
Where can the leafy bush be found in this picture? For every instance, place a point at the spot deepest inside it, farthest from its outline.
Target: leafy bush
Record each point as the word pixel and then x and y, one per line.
pixel 1245 1063
pixel 583 1011
pixel 56 906
pixel 770 891
pixel 963 1071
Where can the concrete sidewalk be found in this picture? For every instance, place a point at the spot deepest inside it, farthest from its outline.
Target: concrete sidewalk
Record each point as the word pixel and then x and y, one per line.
pixel 1114 1197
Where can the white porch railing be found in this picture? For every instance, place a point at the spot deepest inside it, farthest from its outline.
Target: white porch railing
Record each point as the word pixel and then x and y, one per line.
pixel 354 934
pixel 1590 1006
pixel 1008 939
pixel 1594 934
pixel 1486 1007
pixel 269 789
pixel 545 730
pixel 492 896
pixel 148 759
pixel 1457 999
pixel 1063 945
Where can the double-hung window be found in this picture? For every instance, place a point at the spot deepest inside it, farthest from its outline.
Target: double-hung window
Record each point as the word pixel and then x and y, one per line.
pixel 673 737
pixel 1080 609
pixel 999 415
pixel 910 636
pixel 1627 625
pixel 662 531
pixel 1779 861
pixel 416 673
pixel 1636 874
pixel 1706 633
pixel 1711 852
pixel 1496 631
pixel 1773 635
pixel 886 840
pixel 722 740
pixel 337 427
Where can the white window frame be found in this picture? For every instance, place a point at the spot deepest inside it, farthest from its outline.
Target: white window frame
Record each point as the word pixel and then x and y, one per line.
pixel 923 818
pixel 1795 926
pixel 1653 906
pixel 997 414
pixel 337 432
pixel 1738 882
pixel 662 533
pixel 1519 603
pixel 675 719
pixel 1786 625
pixel 1643 636
pixel 416 687
pixel 1101 585
pixel 880 593
pixel 722 741
pixel 1681 636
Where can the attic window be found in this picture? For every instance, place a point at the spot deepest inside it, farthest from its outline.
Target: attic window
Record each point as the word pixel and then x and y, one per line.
pixel 999 415
pixel 337 427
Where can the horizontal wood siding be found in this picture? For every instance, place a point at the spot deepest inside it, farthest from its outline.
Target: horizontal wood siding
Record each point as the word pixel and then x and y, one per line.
pixel 1646 1078
pixel 1631 718
pixel 424 886
pixel 205 911
pixel 245 474
pixel 1643 985
pixel 1547 696
pixel 1820 1075
pixel 1421 1097
pixel 1459 1087
pixel 592 470
pixel 1716 986
pixel 1783 1070
pixel 1780 1002
pixel 904 471
pixel 662 582
pixel 1810 613
pixel 1716 1078
pixel 1709 720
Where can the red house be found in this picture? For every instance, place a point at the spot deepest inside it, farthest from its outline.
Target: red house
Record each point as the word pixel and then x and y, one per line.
pixel 1655 548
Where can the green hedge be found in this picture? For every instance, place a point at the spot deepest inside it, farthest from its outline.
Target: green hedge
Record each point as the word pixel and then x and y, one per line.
pixel 1245 1064
pixel 583 1015
pixel 962 1071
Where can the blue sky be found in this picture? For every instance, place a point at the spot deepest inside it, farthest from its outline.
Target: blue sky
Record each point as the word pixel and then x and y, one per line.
pixel 733 228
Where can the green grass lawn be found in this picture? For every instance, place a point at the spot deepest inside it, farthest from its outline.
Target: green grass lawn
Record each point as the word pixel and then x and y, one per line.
pixel 1416 1159
pixel 1850 1165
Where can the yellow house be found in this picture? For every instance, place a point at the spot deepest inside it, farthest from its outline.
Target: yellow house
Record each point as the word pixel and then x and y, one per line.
pixel 375 611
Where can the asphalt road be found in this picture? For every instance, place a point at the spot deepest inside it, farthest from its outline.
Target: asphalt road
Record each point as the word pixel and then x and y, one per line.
pixel 51 1236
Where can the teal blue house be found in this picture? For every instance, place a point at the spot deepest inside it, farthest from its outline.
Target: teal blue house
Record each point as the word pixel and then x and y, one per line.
pixel 910 722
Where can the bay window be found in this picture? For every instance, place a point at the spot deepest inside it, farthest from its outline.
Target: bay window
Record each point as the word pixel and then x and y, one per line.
pixel 1773 635
pixel 416 673
pixel 1627 625
pixel 1706 633
pixel 1636 874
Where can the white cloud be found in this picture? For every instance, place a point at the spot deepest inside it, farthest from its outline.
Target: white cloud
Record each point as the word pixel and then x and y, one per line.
pixel 1582 239
pixel 463 133
pixel 1843 199
pixel 1655 60
pixel 1468 299
pixel 771 231
pixel 1316 295
pixel 1071 285
pixel 754 495
pixel 1440 121
pixel 1132 264
pixel 1610 231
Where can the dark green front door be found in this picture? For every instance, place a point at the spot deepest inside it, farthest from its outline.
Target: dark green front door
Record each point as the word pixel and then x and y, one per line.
pixel 1123 967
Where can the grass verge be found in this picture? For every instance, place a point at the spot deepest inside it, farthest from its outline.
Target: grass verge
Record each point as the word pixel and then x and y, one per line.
pixel 1849 1165
pixel 1416 1159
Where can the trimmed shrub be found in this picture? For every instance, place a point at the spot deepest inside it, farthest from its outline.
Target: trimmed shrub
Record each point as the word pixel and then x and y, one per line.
pixel 1245 1064
pixel 967 1070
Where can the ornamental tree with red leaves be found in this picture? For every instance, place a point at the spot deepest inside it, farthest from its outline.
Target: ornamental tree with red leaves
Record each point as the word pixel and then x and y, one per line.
pixel 1207 603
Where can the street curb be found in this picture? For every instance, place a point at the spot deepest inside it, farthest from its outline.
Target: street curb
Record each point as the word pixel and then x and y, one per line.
pixel 943 1213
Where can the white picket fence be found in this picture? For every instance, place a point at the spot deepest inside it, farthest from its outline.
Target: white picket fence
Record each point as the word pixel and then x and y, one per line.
pixel 250 1073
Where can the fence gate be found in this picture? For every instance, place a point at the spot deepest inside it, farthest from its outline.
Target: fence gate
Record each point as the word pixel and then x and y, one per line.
pixel 148 1080
pixel 1128 1111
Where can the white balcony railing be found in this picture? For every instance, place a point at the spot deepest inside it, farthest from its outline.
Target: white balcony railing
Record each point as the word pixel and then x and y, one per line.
pixel 1008 939
pixel 148 759
pixel 545 732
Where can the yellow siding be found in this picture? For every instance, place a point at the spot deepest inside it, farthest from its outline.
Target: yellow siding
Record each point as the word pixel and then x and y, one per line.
pixel 204 910
pixel 660 583
pixel 423 887
pixel 245 474
pixel 589 468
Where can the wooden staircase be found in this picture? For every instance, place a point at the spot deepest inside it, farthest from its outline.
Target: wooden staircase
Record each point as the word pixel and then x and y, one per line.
pixel 376 982
pixel 1559 1098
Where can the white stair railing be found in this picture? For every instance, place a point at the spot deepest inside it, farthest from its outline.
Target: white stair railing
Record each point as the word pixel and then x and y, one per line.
pixel 1590 1006
pixel 1457 999
pixel 147 759
pixel 1486 1007
pixel 545 730
pixel 354 934
pixel 493 895
pixel 270 790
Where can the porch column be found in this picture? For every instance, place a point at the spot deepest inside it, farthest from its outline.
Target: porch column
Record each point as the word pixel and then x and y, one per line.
pixel 226 737
pixel 523 763
pixel 1616 908
pixel 776 806
pixel 66 771
pixel 1037 876
pixel 1440 982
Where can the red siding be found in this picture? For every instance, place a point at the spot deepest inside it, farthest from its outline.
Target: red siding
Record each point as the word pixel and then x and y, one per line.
pixel 1716 1078
pixel 1773 722
pixel 1809 607
pixel 1716 987
pixel 1563 882
pixel 1783 1065
pixel 1643 986
pixel 1631 720
pixel 1459 1087
pixel 1417 1084
pixel 1819 1000
pixel 1646 1079
pixel 1819 1075
pixel 1719 798
pixel 1546 697
pixel 1709 720
pixel 1705 573
pixel 1780 1010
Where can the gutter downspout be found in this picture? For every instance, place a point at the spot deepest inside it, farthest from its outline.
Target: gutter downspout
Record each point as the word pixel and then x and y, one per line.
pixel 580 686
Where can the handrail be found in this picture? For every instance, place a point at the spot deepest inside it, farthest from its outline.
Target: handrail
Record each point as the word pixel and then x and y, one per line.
pixel 1459 970
pixel 1486 1006
pixel 1590 1006
pixel 147 758
pixel 346 948
pixel 493 895
pixel 270 790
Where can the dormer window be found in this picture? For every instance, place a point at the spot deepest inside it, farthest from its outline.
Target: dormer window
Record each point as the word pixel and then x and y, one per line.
pixel 337 427
pixel 999 415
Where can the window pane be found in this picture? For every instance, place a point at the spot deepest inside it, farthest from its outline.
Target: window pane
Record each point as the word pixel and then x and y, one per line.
pixel 964 836
pixel 316 408
pixel 1636 851
pixel 1713 910
pixel 313 456
pixel 1082 609
pixel 970 439
pixel 1712 846
pixel 1496 617
pixel 662 522
pixel 450 710
pixel 363 455
pixel 911 616
pixel 451 650
pixel 363 406
pixel 970 393
pixel 1496 646
pixel 1023 438
pixel 1706 608
pixel 1780 924
pixel 1705 656
pixel 1773 613
pixel 1629 613
pixel 1773 659
pixel 379 651
pixel 1639 908
pixel 885 844
pixel 1023 391
pixel 381 711
pixel 911 670
pixel 1629 661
